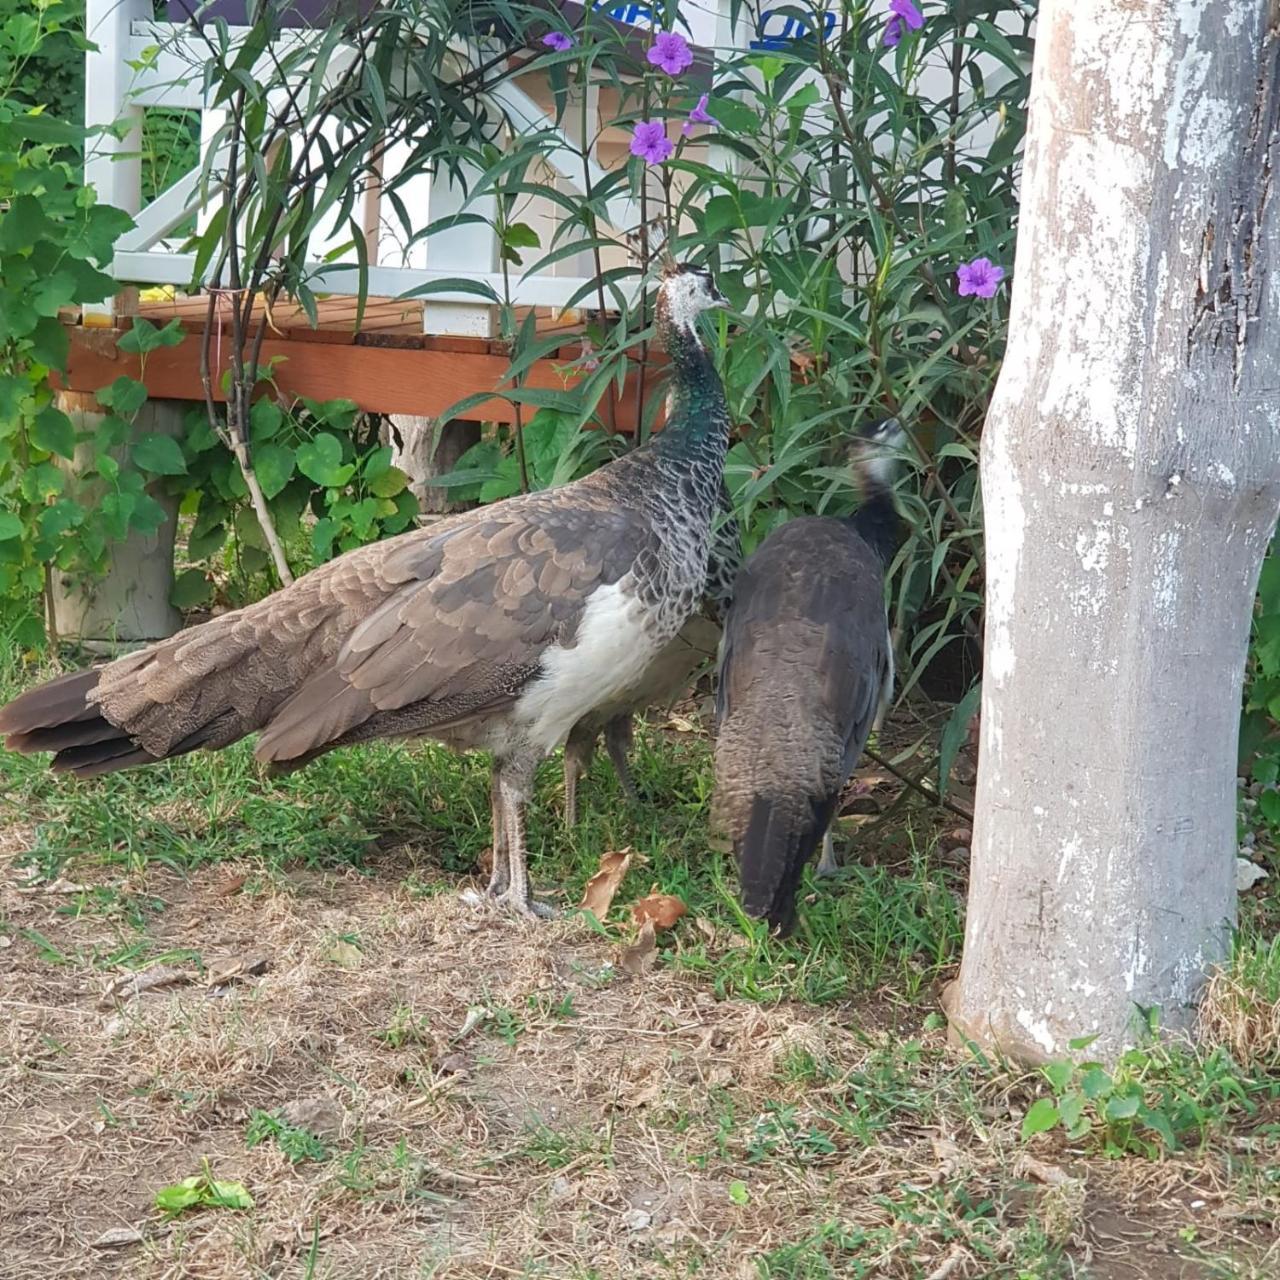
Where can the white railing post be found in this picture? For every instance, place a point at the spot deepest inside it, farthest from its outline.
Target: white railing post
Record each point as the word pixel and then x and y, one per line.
pixel 112 166
pixel 468 250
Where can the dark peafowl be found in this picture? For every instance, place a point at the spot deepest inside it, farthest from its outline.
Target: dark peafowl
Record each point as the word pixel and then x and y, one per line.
pixel 496 629
pixel 666 678
pixel 805 667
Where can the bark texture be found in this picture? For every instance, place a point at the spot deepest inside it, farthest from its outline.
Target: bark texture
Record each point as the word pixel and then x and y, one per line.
pixel 1131 480
pixel 424 448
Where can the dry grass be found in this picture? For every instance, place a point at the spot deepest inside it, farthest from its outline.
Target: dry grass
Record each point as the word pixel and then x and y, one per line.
pixel 1241 1006
pixel 507 1102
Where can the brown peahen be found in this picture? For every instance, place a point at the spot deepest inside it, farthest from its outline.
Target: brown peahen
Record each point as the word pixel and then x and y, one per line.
pixel 805 667
pixel 496 629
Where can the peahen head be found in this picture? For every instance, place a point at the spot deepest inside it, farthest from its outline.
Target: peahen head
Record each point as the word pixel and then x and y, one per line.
pixel 877 453
pixel 684 294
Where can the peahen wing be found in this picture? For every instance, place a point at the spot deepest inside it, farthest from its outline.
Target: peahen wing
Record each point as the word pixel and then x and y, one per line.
pixel 464 628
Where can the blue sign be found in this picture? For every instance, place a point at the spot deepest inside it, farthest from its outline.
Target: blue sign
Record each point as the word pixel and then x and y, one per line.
pixel 777 29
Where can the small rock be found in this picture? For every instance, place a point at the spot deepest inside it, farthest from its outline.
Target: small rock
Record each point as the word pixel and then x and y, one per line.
pixel 636 1220
pixel 1248 874
pixel 561 1189
pixel 454 1064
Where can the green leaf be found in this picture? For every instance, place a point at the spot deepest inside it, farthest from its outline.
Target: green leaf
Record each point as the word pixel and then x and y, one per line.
pixel 10 526
pixel 206 542
pixel 160 455
pixel 322 536
pixel 1269 803
pixel 738 1193
pixel 265 419
pixel 190 588
pixel 1059 1074
pixel 1041 1116
pixel 181 1195
pixel 955 212
pixel 54 432
pixel 1095 1083
pixel 49 343
pixel 143 336
pixel 803 98
pixel 955 732
pixel 273 465
pixel 124 395
pixel 320 459
pixel 454 284
pixel 13 391
pixel 391 482
pixel 1122 1106
pixel 1071 1112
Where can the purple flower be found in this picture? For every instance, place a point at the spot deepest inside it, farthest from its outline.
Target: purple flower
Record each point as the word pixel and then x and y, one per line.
pixel 670 51
pixel 698 116
pixel 650 142
pixel 558 41
pixel 979 278
pixel 901 11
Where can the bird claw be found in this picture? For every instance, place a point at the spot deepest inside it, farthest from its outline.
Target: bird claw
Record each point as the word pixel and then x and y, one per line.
pixel 527 908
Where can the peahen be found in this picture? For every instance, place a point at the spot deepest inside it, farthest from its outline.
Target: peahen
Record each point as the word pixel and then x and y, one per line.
pixel 805 667
pixel 496 629
pixel 666 677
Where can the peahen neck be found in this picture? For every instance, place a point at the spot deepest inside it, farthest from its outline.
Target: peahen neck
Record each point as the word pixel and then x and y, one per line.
pixel 876 520
pixel 697 416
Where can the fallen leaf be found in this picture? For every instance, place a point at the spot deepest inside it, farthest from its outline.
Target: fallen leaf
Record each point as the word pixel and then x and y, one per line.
pixel 60 885
pixel 227 969
pixel 664 909
pixel 477 1014
pixel 5 941
pixel 1029 1167
pixel 231 885
pixel 597 897
pixel 485 861
pixel 128 985
pixel 345 954
pixel 117 1238
pixel 681 724
pixel 640 955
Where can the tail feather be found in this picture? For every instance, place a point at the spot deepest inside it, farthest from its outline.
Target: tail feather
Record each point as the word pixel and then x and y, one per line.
pixel 781 835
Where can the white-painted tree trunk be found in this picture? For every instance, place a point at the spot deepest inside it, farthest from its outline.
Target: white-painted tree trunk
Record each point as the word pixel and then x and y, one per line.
pixel 1131 479
pixel 129 606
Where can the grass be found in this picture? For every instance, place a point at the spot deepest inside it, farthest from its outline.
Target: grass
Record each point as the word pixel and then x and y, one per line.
pixel 512 1101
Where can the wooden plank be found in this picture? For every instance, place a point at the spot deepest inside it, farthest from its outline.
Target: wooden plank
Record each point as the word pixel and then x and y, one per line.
pixel 380 379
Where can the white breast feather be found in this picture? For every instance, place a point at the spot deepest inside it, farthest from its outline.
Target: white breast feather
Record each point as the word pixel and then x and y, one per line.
pixel 611 652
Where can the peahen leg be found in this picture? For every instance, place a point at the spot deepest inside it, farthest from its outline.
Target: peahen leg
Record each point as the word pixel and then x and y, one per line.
pixel 500 876
pixel 515 782
pixel 827 864
pixel 578 750
pixel 618 739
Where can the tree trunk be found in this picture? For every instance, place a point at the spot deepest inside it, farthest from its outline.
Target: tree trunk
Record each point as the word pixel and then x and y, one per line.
pixel 129 606
pixel 1131 481
pixel 423 448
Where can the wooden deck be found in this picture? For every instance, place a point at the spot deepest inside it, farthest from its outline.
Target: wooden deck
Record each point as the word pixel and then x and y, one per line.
pixel 387 366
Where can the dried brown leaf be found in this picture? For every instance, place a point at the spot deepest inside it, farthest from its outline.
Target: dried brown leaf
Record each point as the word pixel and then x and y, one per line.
pixel 231 885
pixel 638 957
pixel 597 897
pixel 230 968
pixel 664 909
pixel 128 985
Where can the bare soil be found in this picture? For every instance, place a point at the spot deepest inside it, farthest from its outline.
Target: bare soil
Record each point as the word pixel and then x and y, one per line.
pixel 503 1099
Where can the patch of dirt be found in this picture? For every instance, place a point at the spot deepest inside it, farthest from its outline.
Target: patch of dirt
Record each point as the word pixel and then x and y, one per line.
pixel 496 1098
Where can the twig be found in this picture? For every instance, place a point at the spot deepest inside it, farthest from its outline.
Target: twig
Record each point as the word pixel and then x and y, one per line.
pixel 916 785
